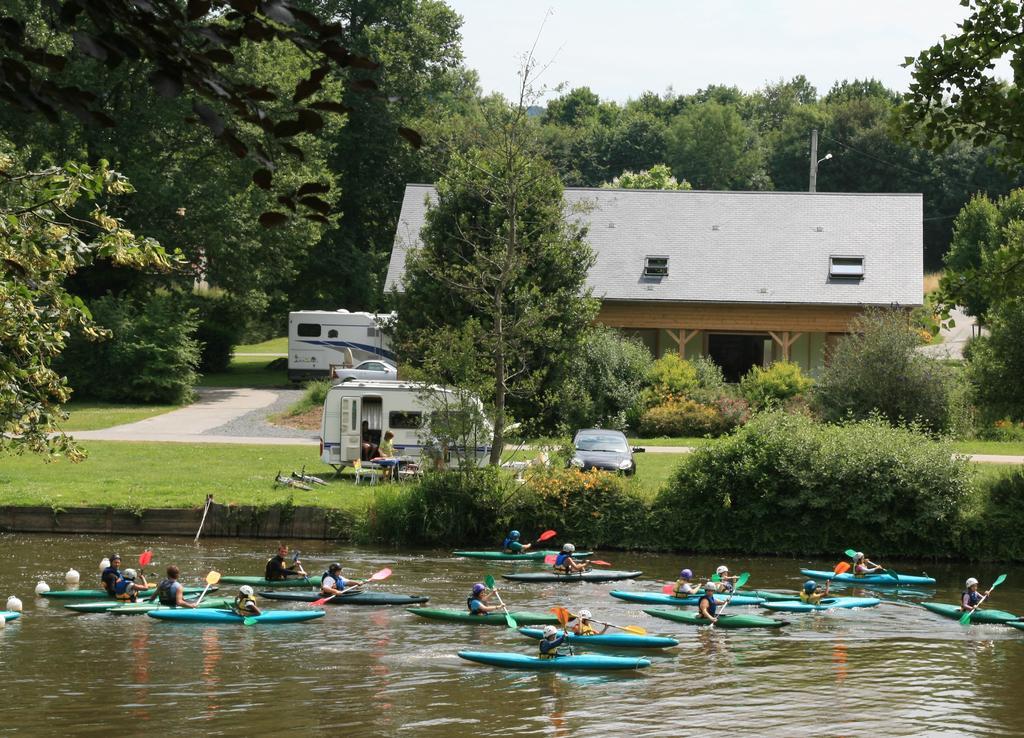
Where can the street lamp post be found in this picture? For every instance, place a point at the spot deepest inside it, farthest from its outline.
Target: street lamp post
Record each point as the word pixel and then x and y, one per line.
pixel 815 161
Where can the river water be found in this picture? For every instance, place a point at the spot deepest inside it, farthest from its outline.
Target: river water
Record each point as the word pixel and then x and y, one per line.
pixel 892 670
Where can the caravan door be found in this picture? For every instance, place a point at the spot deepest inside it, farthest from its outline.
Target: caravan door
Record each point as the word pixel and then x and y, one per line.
pixel 351 440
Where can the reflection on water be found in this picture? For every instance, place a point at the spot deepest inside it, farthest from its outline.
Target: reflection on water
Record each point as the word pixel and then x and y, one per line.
pixel 894 669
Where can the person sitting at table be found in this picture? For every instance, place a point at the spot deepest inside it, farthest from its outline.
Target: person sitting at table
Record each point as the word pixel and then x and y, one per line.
pixel 386 455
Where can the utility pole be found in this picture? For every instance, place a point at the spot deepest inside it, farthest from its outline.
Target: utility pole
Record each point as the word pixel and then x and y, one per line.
pixel 814 160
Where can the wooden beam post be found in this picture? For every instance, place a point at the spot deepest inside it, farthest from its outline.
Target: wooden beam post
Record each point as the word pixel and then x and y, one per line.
pixel 785 341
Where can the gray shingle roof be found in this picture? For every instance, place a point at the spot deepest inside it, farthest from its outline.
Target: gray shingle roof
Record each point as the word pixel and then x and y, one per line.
pixel 737 247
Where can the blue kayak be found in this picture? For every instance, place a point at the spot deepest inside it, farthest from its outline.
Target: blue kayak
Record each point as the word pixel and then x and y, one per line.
pixel 827 603
pixel 9 615
pixel 609 640
pixel 658 598
pixel 588 662
pixel 883 579
pixel 274 617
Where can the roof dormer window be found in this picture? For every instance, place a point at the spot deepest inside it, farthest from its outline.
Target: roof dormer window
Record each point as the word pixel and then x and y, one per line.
pixel 656 266
pixel 846 267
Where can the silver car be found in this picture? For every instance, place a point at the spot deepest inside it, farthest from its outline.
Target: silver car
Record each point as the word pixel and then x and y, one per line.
pixel 372 369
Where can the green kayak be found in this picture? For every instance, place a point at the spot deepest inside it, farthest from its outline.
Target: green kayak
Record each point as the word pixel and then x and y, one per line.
pixel 1016 624
pixel 261 583
pixel 137 608
pixel 501 556
pixel 980 617
pixel 491 618
pixel 724 621
pixel 99 594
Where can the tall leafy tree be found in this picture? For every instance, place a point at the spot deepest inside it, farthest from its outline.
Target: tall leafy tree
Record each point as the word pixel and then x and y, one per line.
pixel 713 147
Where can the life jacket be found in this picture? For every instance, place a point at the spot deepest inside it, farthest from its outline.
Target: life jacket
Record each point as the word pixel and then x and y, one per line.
pixel 860 569
pixel 339 581
pixel 971 598
pixel 811 598
pixel 549 649
pixel 124 590
pixel 506 543
pixel 109 578
pixel 275 568
pixel 167 592
pixel 582 627
pixel 560 561
pixel 241 605
pixel 469 605
pixel 712 604
pixel 680 592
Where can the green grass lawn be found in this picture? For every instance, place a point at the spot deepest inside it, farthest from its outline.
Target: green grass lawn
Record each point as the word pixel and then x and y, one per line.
pixel 247 371
pixel 96 415
pixel 131 475
pixel 1004 448
pixel 273 346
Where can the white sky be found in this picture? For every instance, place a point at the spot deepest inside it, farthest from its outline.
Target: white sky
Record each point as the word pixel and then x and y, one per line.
pixel 619 49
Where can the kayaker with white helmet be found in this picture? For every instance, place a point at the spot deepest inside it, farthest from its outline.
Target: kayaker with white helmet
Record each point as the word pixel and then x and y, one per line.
pixel 278 567
pixel 726 581
pixel 581 624
pixel 706 605
pixel 683 587
pixel 511 544
pixel 170 592
pixel 332 582
pixel 477 600
pixel 564 562
pixel 553 638
pixel 245 604
pixel 812 594
pixel 862 565
pixel 126 589
pixel 971 596
pixel 111 574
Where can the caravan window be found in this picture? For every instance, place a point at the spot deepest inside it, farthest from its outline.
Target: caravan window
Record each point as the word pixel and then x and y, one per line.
pixel 309 330
pixel 404 420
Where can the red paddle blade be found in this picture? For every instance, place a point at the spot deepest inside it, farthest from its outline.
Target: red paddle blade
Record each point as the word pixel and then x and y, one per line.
pixel 145 557
pixel 317 603
pixel 598 562
pixel 382 574
pixel 842 567
pixel 546 535
pixel 550 559
pixel 668 589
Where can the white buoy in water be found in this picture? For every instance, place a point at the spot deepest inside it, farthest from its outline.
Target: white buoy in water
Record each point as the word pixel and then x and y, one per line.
pixel 14 604
pixel 72 577
pixel 104 563
pixel 42 587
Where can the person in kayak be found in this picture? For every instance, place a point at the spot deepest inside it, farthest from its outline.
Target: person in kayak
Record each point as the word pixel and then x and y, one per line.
pixel 564 562
pixel 245 604
pixel 581 624
pixel 862 566
pixel 511 544
pixel 553 638
pixel 111 574
pixel 333 583
pixel 683 587
pixel 812 594
pixel 125 588
pixel 278 567
pixel 970 597
pixel 169 592
pixel 477 601
pixel 706 605
pixel 726 581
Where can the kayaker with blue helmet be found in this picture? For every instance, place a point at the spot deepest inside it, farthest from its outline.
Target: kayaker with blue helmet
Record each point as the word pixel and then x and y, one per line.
pixel 812 594
pixel 278 568
pixel 683 587
pixel 511 544
pixel 477 601
pixel 111 574
pixel 564 562
pixel 862 565
pixel 126 589
pixel 553 638
pixel 706 605
pixel 971 597
pixel 244 603
pixel 170 592
pixel 333 583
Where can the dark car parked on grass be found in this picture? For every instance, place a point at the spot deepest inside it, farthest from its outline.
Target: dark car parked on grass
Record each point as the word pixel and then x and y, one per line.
pixel 606 450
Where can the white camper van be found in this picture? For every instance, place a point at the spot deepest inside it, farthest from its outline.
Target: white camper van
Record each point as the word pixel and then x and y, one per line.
pixel 320 339
pixel 403 408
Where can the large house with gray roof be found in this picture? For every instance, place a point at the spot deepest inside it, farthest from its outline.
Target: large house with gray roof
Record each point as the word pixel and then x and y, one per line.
pixel 746 278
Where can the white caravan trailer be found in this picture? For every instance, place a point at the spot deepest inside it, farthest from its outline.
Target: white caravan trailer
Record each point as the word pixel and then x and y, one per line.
pixel 319 339
pixel 399 407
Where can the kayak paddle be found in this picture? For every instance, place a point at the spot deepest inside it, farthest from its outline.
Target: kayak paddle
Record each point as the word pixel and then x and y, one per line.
pixel 965 619
pixel 563 616
pixel 144 558
pixel 744 576
pixel 509 620
pixel 382 574
pixel 545 536
pixel 211 579
pixel 634 629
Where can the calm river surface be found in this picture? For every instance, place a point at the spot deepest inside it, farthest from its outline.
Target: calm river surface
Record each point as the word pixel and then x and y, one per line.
pixel 891 670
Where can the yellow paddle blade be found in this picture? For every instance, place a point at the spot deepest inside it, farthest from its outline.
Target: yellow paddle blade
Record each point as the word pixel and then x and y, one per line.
pixel 213 577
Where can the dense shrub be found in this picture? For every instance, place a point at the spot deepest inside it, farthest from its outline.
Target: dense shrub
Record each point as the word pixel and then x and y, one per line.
pixel 785 484
pixel 876 369
pixel 220 327
pixel 996 364
pixel 670 378
pixel 151 355
pixel 682 418
pixel 771 387
pixel 995 528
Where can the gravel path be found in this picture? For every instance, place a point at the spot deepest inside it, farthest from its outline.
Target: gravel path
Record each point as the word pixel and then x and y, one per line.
pixel 254 423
